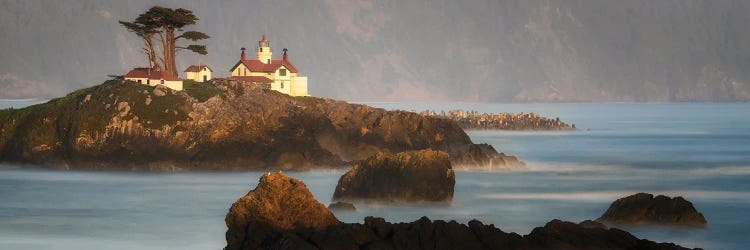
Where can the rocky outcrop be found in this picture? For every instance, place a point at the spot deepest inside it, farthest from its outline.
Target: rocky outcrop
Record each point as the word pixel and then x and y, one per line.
pixel 474 120
pixel 281 214
pixel 484 157
pixel 224 126
pixel 645 209
pixel 278 203
pixel 413 176
pixel 558 234
pixel 342 206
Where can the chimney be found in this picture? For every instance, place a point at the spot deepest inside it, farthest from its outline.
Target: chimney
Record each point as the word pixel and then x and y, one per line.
pixel 242 56
pixel 285 56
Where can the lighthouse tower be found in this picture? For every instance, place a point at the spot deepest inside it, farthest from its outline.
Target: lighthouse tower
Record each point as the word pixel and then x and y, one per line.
pixel 264 50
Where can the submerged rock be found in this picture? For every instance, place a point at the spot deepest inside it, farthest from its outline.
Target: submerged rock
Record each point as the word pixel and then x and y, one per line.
pixel 413 176
pixel 281 214
pixel 342 206
pixel 645 209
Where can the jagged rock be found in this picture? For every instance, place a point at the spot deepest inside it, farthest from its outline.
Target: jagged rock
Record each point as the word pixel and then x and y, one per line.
pixel 236 126
pixel 342 206
pixel 558 234
pixel 503 121
pixel 160 90
pixel 412 176
pixel 645 209
pixel 484 156
pixel 278 203
pixel 281 214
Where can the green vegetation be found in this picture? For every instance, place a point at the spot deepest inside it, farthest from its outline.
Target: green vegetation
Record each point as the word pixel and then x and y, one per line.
pixel 201 91
pixel 49 123
pixel 159 111
pixel 89 111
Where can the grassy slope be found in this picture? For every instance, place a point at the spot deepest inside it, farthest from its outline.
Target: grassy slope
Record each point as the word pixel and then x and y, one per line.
pixel 61 120
pixel 201 91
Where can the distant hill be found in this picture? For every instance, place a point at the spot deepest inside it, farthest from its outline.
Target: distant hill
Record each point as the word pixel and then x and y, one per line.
pixel 524 50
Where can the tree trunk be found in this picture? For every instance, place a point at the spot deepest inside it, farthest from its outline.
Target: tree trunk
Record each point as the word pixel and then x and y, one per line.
pixel 172 51
pixel 151 52
pixel 164 53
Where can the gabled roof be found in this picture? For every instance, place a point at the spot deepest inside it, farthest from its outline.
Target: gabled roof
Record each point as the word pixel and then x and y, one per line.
pixel 258 66
pixel 261 79
pixel 151 74
pixel 197 68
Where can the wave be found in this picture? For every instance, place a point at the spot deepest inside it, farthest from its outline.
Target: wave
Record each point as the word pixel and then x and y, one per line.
pixel 609 196
pixel 483 169
pixel 564 167
pixel 489 133
pixel 729 170
pixel 568 167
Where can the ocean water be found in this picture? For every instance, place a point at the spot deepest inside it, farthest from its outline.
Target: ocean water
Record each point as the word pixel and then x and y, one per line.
pixel 698 151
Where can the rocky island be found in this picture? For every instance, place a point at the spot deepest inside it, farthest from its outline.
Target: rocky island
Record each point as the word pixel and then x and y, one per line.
pixel 280 213
pixel 474 120
pixel 220 126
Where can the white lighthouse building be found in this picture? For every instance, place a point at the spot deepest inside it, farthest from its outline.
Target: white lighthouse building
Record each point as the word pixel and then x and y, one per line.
pixel 279 75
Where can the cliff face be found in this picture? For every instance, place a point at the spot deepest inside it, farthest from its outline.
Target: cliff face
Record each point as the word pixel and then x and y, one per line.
pixel 131 126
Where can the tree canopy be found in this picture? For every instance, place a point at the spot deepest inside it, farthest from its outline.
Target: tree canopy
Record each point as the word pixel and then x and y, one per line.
pixel 167 26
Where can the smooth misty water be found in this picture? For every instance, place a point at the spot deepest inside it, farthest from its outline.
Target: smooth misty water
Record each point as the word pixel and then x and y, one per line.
pixel 699 151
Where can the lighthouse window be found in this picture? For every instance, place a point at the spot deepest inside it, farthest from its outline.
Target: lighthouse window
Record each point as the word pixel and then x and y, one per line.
pixel 282 85
pixel 244 71
pixel 282 72
pixel 261 49
pixel 162 81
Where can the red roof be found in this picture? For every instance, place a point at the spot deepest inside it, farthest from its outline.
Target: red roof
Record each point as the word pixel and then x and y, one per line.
pixel 197 68
pixel 251 78
pixel 258 66
pixel 151 74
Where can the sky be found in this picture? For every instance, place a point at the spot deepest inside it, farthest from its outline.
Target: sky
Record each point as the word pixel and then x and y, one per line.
pixel 412 50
